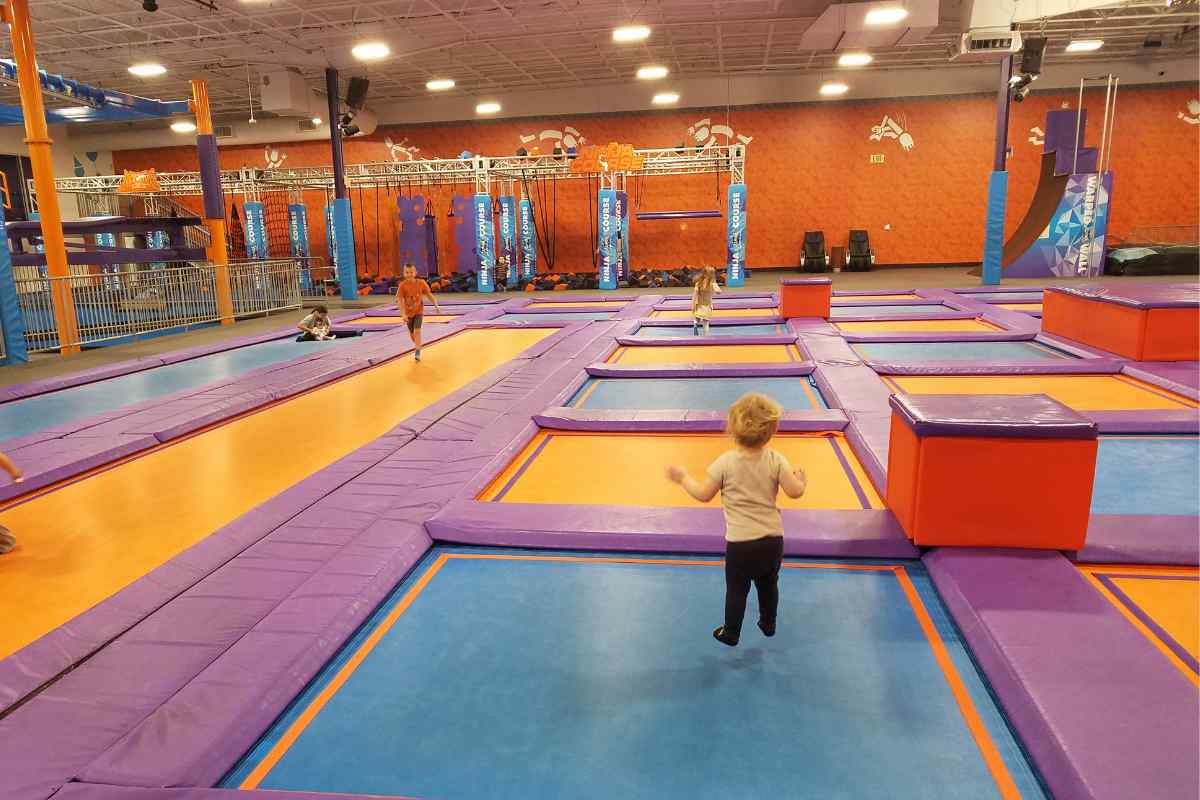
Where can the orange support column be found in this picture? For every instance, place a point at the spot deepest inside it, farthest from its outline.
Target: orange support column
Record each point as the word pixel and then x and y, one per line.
pixel 37 137
pixel 214 200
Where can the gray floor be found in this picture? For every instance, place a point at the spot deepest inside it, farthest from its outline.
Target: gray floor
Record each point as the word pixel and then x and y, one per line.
pixel 49 365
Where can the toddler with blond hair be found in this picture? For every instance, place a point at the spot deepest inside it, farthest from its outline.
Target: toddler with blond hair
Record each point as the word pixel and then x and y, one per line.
pixel 749 478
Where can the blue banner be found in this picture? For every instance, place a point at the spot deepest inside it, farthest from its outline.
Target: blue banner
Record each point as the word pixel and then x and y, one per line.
pixel 735 235
pixel 256 230
pixel 110 271
pixel 12 321
pixel 623 250
pixel 157 240
pixel 331 236
pixel 528 241
pixel 485 242
pixel 298 233
pixel 508 236
pixel 993 231
pixel 609 226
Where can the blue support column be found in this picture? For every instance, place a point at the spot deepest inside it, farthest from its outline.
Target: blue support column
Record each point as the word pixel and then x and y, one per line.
pixel 12 324
pixel 609 227
pixel 347 265
pixel 993 237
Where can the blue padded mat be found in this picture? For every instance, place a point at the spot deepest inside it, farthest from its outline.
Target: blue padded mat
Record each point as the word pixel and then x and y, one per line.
pixel 486 688
pixel 957 351
pixel 697 394
pixel 33 414
pixel 1147 475
pixel 557 316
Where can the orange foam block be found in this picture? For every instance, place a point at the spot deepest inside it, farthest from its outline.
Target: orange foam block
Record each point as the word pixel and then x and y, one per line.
pixel 1144 323
pixel 805 297
pixel 990 471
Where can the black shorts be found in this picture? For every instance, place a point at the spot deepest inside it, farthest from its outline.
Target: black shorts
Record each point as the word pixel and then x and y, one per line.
pixel 414 323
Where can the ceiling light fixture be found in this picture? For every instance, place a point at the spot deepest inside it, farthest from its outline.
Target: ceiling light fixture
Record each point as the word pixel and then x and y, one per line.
pixel 665 98
pixel 631 33
pixel 1084 45
pixel 652 73
pixel 147 70
pixel 183 126
pixel 487 108
pixel 316 120
pixel 889 15
pixel 855 59
pixel 833 89
pixel 439 84
pixel 371 51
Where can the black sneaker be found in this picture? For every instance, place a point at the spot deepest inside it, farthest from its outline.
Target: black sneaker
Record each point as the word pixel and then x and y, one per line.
pixel 719 635
pixel 768 630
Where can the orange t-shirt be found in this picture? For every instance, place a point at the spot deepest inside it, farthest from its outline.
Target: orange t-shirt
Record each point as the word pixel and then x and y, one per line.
pixel 410 293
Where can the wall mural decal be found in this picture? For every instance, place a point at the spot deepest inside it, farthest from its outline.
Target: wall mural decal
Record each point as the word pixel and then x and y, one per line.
pixel 401 150
pixel 85 164
pixel 889 128
pixel 1193 107
pixel 707 135
pixel 566 138
pixel 273 157
pixel 1037 136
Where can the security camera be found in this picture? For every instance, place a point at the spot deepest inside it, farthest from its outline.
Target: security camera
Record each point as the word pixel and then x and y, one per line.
pixel 149 5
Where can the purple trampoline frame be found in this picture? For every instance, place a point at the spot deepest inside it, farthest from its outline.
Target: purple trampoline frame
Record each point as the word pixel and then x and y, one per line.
pixel 185 725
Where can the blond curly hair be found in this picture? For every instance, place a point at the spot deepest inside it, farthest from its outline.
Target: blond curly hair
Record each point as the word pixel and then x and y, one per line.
pixel 753 420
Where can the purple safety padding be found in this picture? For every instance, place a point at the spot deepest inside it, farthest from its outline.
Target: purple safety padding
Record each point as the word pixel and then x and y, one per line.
pixel 690 341
pixel 1068 346
pixel 599 299
pixel 994 416
pixel 871 293
pixel 852 387
pixel 728 305
pixel 805 281
pixel 740 320
pixel 1137 295
pixel 914 317
pixel 603 370
pixel 92 791
pixel 1180 377
pixel 1146 421
pixel 1076 680
pixel 828 349
pixel 938 336
pixel 819 533
pixel 685 323
pixel 1135 539
pixel 672 420
pixel 869 435
pixel 1096 366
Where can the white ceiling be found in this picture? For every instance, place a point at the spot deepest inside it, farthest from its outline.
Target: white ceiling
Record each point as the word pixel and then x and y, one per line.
pixel 494 47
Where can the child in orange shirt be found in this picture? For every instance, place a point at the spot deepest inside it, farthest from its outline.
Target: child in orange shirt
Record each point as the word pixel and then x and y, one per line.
pixel 410 299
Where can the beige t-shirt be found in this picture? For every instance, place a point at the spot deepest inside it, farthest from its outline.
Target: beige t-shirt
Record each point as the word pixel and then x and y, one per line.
pixel 749 485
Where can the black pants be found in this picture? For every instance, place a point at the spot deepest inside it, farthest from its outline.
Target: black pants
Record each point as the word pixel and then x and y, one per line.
pixel 756 561
pixel 308 337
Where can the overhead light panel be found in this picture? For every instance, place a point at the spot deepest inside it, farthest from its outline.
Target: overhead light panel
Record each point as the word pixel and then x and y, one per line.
pixel 652 73
pixel 487 108
pixel 371 51
pixel 631 33
pixel 855 59
pixel 665 98
pixel 147 70
pixel 1084 45
pixel 183 126
pixel 833 89
pixel 888 15
pixel 317 120
pixel 439 85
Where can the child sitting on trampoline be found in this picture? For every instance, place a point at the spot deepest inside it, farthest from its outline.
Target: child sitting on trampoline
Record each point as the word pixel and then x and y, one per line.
pixel 7 541
pixel 410 299
pixel 705 288
pixel 749 478
pixel 316 327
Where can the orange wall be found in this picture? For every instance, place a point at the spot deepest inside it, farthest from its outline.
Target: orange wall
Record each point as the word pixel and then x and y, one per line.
pixel 808 166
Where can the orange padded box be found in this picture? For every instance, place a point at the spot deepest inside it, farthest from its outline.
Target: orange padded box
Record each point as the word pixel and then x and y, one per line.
pixel 805 297
pixel 990 471
pixel 1156 322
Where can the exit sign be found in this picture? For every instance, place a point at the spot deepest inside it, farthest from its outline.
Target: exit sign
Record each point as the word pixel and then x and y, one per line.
pixel 876 158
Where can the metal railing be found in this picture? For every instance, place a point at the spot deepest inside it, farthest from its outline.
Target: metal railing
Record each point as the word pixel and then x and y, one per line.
pixel 261 287
pixel 137 302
